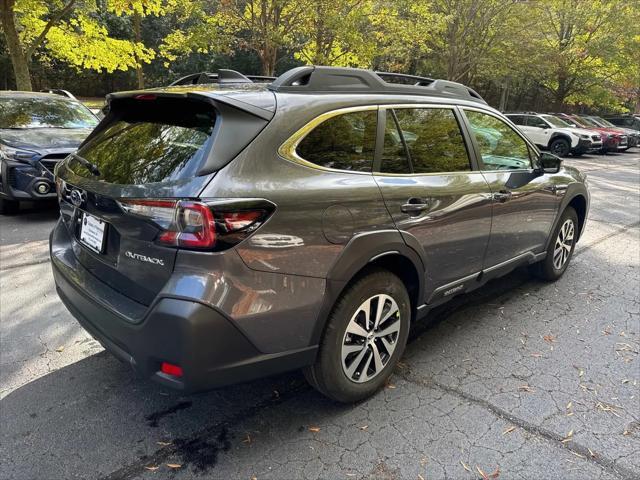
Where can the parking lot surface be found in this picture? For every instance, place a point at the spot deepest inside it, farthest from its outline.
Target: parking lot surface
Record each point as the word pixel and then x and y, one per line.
pixel 520 379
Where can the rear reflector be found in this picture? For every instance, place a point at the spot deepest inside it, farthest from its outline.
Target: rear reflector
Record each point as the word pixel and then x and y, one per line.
pixel 171 369
pixel 146 96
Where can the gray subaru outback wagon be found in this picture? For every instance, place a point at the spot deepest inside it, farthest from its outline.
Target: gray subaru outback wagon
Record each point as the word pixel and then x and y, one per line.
pixel 211 234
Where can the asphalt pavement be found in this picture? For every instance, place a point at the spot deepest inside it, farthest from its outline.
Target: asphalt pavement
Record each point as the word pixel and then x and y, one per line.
pixel 520 379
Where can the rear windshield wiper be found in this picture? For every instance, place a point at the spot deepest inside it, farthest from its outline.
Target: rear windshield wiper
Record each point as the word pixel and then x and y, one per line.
pixel 92 167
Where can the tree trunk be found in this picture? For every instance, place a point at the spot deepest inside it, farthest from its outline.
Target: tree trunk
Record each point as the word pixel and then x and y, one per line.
pixel 16 52
pixel 268 56
pixel 137 31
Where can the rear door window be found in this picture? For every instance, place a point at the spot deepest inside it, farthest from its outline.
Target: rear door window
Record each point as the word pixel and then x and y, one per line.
pixel 431 138
pixel 157 141
pixel 343 142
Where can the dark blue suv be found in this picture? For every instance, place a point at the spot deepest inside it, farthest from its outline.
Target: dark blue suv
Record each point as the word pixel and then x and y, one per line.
pixel 37 130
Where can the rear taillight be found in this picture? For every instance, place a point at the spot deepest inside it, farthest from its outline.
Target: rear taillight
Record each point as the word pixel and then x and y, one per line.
pixel 201 225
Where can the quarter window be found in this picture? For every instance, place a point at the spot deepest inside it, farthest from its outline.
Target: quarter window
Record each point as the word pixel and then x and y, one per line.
pixel 432 141
pixel 500 146
pixel 343 142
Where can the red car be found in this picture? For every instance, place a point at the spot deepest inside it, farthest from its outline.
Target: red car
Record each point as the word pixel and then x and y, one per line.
pixel 613 139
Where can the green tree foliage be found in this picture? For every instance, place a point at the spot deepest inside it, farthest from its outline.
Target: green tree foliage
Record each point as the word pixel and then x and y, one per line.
pixel 535 54
pixel 70 30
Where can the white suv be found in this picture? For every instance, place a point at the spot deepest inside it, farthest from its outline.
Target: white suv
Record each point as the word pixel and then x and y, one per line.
pixel 556 135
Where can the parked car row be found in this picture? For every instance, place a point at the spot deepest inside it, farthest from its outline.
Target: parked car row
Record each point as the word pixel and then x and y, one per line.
pixel 564 134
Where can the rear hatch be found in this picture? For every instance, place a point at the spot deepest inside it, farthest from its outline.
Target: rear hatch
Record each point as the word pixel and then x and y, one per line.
pixel 153 149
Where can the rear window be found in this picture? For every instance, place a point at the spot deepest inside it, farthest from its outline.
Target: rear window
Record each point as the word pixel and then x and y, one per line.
pixel 149 141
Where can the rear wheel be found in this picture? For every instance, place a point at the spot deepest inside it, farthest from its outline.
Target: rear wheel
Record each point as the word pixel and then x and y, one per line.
pixel 560 248
pixel 365 337
pixel 560 147
pixel 7 207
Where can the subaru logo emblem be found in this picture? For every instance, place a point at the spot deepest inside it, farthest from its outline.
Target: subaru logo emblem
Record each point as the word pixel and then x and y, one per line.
pixel 77 197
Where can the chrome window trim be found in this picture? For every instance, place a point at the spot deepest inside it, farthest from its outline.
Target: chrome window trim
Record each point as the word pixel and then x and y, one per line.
pixel 288 149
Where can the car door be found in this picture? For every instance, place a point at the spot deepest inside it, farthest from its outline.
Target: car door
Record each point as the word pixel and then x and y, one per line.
pixel 525 204
pixel 537 130
pixel 424 171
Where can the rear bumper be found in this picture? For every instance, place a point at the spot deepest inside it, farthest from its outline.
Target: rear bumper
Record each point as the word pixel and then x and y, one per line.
pixel 208 346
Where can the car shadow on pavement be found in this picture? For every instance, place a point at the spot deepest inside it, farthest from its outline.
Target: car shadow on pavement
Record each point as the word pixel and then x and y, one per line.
pixel 94 418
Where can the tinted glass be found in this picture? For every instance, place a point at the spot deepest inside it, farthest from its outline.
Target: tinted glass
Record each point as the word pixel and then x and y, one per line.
pixel 501 147
pixel 556 122
pixel 344 142
pixel 44 112
pixel 517 119
pixel 394 155
pixel 151 143
pixel 434 140
pixel 535 122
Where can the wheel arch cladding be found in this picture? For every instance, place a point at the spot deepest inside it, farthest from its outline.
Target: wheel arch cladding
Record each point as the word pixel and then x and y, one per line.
pixel 391 254
pixel 579 204
pixel 560 136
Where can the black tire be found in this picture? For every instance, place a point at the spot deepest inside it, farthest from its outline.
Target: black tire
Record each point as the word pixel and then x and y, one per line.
pixel 8 207
pixel 327 374
pixel 548 269
pixel 560 147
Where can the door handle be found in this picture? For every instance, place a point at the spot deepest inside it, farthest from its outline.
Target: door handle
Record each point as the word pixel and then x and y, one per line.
pixel 557 189
pixel 415 206
pixel 502 196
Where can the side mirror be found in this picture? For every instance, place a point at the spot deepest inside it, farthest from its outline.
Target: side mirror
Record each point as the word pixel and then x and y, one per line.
pixel 545 126
pixel 548 163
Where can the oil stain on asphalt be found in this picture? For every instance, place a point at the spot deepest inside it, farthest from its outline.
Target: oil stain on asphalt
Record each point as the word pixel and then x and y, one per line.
pixel 153 418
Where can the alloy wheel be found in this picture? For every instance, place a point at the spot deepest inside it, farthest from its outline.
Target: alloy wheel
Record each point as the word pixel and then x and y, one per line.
pixel 564 242
pixel 371 338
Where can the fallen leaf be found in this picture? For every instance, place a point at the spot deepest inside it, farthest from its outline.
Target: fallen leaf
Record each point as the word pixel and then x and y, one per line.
pixel 314 429
pixel 253 477
pixel 536 355
pixel 60 349
pixel 153 469
pixel 569 405
pixel 465 466
pixel 496 473
pixel 525 388
pixel 626 380
pixel 174 465
pixel 390 385
pixel 549 338
pixel 577 454
pixel 247 439
pixel 482 474
pixel 420 477
pixel 363 427
pixel 568 437
pixel 593 455
pixel 509 430
pixel 164 444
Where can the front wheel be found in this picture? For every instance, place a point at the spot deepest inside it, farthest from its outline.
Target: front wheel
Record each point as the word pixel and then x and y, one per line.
pixel 560 147
pixel 560 249
pixel 365 337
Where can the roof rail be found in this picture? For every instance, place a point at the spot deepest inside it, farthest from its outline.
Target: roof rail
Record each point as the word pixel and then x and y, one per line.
pixel 222 77
pixel 58 91
pixel 312 79
pixel 521 113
